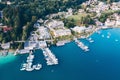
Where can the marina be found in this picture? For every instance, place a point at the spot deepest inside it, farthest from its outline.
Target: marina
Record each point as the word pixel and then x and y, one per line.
pixel 28 66
pixel 50 57
pixel 73 62
pixel 59 40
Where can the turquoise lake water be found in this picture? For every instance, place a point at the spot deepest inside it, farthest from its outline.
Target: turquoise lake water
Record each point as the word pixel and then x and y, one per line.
pixel 102 62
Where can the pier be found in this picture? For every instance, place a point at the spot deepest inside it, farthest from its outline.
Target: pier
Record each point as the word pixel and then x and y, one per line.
pixel 33 41
pixel 81 45
pixel 50 57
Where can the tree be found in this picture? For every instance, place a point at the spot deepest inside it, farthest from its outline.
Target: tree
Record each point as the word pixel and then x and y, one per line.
pixel 69 23
pixel 86 20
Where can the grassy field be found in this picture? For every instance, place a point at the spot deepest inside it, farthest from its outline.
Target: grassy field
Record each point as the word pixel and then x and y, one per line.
pixel 77 18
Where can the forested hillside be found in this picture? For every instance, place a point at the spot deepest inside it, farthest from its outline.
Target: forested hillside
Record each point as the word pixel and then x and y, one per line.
pixel 22 14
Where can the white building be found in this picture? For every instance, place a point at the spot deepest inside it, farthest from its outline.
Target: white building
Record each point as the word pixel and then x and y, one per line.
pixel 61 32
pixel 110 23
pixel 8 3
pixel 54 24
pixel 98 23
pixel 5 46
pixel 33 37
pixel 118 23
pixel 117 19
pixel 69 13
pixel 81 10
pixel 43 33
pixel 40 20
pixel 79 29
pixel 30 45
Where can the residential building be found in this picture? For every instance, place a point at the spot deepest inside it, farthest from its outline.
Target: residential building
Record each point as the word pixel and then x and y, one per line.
pixel 118 23
pixel 69 13
pixel 79 29
pixel 54 24
pixel 5 45
pixel 30 45
pixel 98 23
pixel 43 33
pixel 110 23
pixel 61 32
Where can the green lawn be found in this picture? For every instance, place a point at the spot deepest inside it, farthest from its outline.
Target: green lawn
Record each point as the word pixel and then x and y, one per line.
pixel 77 17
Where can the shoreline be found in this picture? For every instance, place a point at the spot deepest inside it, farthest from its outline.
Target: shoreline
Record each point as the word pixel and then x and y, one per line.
pixel 81 35
pixel 9 51
pixel 12 51
pixel 85 36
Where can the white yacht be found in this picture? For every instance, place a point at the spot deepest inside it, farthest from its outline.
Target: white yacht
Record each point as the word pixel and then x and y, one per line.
pixel 38 67
pixel 34 66
pixel 28 67
pixel 103 36
pixel 116 40
pixel 98 32
pixel 108 37
pixel 22 69
pixel 90 40
pixel 23 66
